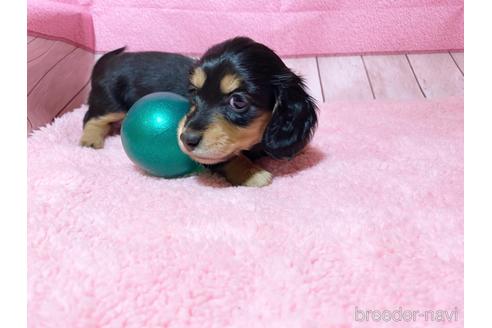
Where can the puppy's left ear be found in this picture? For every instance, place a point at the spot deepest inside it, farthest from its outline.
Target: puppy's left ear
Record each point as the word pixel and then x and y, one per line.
pixel 293 119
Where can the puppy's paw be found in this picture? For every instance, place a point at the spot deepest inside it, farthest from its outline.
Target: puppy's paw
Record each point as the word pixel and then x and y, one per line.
pixel 96 129
pixel 240 171
pixel 260 178
pixel 93 141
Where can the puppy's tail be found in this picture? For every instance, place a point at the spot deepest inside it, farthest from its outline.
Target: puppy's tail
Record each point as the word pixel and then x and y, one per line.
pixel 108 56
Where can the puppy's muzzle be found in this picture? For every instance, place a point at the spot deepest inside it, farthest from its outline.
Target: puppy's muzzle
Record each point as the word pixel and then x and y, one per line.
pixel 190 139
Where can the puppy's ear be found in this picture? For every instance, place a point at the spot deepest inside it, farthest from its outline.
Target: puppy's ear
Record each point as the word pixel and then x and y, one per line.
pixel 293 119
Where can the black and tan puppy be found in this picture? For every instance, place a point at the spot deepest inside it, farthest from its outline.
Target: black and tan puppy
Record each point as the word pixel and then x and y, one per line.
pixel 245 103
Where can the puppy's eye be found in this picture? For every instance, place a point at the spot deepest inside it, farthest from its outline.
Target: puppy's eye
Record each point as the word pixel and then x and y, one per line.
pixel 238 102
pixel 192 89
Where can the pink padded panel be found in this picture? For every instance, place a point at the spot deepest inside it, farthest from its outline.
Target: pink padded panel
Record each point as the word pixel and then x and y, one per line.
pixel 290 27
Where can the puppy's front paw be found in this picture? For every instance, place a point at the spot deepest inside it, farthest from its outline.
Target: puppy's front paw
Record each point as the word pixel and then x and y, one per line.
pixel 260 178
pixel 93 141
pixel 240 171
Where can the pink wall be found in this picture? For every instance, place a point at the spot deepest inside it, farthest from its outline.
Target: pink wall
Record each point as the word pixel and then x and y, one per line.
pixel 290 27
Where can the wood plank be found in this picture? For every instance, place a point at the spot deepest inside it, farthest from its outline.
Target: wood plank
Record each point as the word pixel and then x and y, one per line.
pixel 437 74
pixel 392 77
pixel 38 67
pixel 59 86
pixel 38 47
pixel 344 78
pixel 308 69
pixel 459 59
pixel 79 99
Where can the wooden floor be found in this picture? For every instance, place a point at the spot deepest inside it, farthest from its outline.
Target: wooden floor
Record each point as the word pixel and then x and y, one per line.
pixel 57 79
pixel 396 77
pixel 55 65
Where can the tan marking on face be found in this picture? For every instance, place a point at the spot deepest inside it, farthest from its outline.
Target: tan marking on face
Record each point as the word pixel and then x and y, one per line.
pixel 240 171
pixel 180 130
pixel 223 138
pixel 198 77
pixel 96 129
pixel 229 83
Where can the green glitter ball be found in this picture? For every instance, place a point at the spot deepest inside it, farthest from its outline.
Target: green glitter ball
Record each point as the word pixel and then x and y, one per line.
pixel 149 135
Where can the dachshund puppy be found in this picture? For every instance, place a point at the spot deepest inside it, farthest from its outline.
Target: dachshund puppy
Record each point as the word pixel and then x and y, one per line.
pixel 245 103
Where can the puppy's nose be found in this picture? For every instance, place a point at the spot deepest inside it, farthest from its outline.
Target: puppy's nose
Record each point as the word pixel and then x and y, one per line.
pixel 191 139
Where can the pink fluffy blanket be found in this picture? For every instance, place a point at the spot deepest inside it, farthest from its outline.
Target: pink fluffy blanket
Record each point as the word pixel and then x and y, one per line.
pixel 368 218
pixel 291 27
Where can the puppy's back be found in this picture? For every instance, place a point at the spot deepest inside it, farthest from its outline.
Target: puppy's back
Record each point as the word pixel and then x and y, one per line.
pixel 128 76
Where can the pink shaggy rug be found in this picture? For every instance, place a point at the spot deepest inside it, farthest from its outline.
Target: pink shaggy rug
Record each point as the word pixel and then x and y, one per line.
pixel 368 218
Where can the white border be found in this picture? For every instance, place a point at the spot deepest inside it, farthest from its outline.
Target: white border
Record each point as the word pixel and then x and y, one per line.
pixel 13 81
pixel 478 163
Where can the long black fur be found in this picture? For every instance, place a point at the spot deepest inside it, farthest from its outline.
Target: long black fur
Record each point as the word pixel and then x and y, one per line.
pixel 272 85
